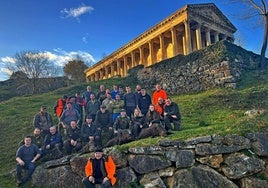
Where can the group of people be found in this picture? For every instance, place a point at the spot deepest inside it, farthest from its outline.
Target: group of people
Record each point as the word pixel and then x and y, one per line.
pixel 96 117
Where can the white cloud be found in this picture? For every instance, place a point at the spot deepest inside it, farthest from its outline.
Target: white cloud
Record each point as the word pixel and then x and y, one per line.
pixel 59 57
pixel 6 71
pixel 84 38
pixel 76 12
pixel 63 57
pixel 8 60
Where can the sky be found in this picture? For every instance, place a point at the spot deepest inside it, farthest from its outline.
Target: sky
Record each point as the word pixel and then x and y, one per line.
pixel 93 29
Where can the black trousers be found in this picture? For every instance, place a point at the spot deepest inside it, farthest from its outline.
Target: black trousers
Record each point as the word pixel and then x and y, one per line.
pixel 89 184
pixel 168 120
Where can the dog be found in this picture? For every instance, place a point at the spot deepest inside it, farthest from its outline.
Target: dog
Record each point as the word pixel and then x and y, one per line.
pixel 156 129
pixel 123 136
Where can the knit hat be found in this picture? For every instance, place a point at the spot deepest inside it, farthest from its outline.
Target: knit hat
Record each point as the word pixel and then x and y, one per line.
pixel 98 150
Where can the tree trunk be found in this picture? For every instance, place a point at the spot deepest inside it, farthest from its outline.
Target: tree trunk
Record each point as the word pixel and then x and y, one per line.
pixel 264 44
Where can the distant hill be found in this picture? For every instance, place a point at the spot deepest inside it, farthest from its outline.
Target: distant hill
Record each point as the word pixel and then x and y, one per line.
pixel 12 88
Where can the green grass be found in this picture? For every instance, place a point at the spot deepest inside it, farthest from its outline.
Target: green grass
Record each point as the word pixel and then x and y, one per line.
pixel 217 111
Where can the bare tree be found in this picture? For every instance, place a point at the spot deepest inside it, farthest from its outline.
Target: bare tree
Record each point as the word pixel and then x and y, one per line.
pixel 257 8
pixel 29 67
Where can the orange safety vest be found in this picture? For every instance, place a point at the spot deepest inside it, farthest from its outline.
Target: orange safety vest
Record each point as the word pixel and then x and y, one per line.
pixel 59 108
pixel 109 167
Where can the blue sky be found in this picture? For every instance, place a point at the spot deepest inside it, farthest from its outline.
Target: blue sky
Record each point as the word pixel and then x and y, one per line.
pixel 94 28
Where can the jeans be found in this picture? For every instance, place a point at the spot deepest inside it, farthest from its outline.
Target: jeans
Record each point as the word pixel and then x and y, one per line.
pixel 29 167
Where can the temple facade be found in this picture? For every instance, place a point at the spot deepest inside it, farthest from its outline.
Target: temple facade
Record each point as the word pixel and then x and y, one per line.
pixel 191 28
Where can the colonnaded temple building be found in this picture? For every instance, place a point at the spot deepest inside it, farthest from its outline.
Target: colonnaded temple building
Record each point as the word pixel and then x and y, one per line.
pixel 191 28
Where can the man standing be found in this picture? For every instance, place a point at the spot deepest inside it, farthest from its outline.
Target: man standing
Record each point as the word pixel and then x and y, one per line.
pixel 100 170
pixel 43 121
pixel 130 101
pixel 116 106
pixel 26 155
pixel 114 92
pixel 86 94
pixel 101 95
pixel 144 101
pixel 70 114
pixel 92 106
pixel 159 92
pixel 60 105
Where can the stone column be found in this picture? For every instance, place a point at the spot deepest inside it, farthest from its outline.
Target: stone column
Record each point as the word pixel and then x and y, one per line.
pixel 95 77
pixel 188 40
pixel 184 45
pixel 208 41
pixel 91 78
pixel 106 72
pixel 118 67
pixel 198 37
pixel 112 69
pixel 101 74
pixel 133 63
pixel 141 56
pixel 216 36
pixel 151 51
pixel 174 41
pixel 125 66
pixel 161 41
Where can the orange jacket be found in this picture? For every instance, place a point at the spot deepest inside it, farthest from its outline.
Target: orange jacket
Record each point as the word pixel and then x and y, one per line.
pixel 159 109
pixel 109 166
pixel 59 107
pixel 161 93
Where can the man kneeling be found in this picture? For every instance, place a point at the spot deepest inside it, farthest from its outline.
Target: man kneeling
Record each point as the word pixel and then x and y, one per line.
pixel 100 170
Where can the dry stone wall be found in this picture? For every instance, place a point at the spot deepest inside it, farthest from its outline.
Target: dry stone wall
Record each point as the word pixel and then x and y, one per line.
pixel 212 161
pixel 219 65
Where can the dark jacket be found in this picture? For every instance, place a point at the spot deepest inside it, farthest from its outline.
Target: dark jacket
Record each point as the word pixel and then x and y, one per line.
pixel 122 122
pixel 92 107
pixel 74 134
pixel 152 117
pixel 130 100
pixel 144 103
pixel 137 121
pixel 172 109
pixel 43 121
pixel 103 120
pixel 54 139
pixel 87 131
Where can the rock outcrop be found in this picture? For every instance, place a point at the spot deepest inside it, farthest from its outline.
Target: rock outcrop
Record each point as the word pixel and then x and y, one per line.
pixel 208 161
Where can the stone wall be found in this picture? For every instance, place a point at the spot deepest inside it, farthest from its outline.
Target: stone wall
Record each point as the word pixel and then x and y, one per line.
pixel 219 65
pixel 208 161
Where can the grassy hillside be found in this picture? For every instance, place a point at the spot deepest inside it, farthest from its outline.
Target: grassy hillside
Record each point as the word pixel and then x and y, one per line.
pixel 217 111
